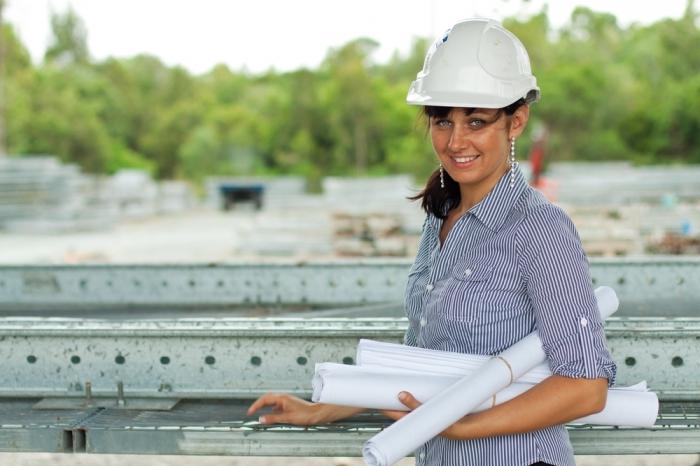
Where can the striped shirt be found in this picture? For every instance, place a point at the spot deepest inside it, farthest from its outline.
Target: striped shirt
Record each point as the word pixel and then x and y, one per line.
pixel 511 265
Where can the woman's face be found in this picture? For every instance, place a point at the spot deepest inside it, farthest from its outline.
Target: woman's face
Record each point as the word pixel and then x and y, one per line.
pixel 474 147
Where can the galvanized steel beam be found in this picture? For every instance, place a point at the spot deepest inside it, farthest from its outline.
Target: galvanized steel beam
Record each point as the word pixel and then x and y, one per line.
pixel 23 429
pixel 299 442
pixel 214 358
pixel 646 287
pixel 221 427
pixel 185 358
pixel 105 288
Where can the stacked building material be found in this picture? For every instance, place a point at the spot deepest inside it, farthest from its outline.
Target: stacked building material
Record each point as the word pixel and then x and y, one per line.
pixel 41 194
pixel 620 183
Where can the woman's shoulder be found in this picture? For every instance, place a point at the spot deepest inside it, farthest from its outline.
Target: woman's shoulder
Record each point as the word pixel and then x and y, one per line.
pixel 533 206
pixel 541 219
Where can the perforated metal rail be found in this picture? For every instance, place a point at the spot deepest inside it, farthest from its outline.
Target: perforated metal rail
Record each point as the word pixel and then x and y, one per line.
pixel 160 360
pixel 666 286
pixel 213 358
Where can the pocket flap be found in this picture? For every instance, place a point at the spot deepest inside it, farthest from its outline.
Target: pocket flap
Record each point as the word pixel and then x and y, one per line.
pixel 470 271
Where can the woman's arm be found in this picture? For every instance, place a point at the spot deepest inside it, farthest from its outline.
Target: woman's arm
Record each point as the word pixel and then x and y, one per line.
pixel 289 409
pixel 555 400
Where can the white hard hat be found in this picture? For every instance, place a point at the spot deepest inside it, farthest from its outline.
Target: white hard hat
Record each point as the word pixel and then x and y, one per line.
pixel 477 63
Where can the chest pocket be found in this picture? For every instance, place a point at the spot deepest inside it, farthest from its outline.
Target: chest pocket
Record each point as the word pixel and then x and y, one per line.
pixel 483 303
pixel 470 272
pixel 465 292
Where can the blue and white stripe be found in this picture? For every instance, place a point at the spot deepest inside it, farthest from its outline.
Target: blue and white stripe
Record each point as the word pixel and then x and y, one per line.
pixel 512 264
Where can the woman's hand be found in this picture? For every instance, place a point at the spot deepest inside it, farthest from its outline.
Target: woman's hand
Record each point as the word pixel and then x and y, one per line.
pixel 407 399
pixel 287 409
pixel 411 403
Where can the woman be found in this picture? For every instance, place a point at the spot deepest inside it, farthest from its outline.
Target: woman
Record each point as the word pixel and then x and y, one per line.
pixel 496 261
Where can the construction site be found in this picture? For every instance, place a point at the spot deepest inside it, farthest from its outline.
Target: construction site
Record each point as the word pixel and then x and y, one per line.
pixel 217 250
pixel 126 316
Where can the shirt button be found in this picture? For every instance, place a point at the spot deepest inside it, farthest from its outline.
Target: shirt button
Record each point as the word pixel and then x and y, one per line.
pixel 423 322
pixel 584 321
pixel 429 287
pixel 467 272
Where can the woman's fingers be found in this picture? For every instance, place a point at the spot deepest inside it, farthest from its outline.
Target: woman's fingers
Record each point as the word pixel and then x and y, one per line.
pixel 287 417
pixel 408 400
pixel 286 409
pixel 269 399
pixel 274 419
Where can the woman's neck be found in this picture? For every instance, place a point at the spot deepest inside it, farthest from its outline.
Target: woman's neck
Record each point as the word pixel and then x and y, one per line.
pixel 471 195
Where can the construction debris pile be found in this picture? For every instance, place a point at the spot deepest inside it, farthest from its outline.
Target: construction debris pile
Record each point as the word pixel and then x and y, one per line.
pixel 368 235
pixel 673 243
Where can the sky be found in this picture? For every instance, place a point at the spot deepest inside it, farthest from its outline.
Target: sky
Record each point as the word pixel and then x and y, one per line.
pixel 258 35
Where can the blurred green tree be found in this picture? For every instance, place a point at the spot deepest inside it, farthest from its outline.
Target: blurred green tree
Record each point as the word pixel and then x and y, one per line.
pixel 608 92
pixel 68 45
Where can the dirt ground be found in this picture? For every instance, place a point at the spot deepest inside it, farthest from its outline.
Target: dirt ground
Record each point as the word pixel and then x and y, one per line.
pixel 43 459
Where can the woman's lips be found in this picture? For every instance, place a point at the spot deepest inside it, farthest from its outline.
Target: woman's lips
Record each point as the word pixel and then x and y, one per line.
pixel 464 161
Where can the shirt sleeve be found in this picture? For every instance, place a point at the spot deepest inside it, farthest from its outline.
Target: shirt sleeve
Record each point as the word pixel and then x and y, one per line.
pixel 555 270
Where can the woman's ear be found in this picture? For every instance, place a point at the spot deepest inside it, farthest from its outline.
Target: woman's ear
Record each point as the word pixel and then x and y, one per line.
pixel 518 121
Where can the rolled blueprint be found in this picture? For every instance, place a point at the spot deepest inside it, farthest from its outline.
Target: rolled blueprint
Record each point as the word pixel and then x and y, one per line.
pixel 393 356
pixel 465 395
pixel 375 388
pixel 626 407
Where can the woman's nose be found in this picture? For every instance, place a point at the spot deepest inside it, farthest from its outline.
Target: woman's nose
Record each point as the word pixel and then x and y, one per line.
pixel 459 139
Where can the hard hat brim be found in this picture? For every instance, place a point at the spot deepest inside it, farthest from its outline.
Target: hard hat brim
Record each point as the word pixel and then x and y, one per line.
pixel 468 100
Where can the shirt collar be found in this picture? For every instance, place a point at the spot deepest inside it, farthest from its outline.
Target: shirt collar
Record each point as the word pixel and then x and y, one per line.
pixel 493 209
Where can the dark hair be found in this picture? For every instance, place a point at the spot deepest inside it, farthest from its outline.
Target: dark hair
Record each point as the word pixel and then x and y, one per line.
pixel 434 198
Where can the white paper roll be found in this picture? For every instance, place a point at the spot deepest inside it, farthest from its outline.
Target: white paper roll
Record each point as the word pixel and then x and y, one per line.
pixel 373 388
pixel 465 395
pixel 392 356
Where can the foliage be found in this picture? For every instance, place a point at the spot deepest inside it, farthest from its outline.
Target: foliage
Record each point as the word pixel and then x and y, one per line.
pixel 608 92
pixel 69 45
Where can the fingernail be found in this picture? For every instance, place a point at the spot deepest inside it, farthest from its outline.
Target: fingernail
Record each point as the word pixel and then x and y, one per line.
pixel 261 420
pixel 402 395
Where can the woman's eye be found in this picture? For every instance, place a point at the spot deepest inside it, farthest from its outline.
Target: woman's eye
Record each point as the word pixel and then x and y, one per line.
pixel 476 123
pixel 442 123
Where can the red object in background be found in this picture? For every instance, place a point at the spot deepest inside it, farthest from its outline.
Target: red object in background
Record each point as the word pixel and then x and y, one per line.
pixel 537 152
pixel 536 161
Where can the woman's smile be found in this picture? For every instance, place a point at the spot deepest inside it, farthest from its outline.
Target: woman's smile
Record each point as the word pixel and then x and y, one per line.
pixel 464 161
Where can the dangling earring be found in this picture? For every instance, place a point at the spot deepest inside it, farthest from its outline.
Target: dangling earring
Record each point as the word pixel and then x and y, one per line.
pixel 442 177
pixel 513 163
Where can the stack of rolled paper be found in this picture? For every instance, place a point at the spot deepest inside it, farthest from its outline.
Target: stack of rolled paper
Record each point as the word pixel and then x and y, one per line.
pixel 376 385
pixel 469 382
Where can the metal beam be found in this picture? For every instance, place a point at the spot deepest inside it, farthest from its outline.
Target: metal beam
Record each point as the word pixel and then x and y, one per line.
pixel 214 358
pixel 23 429
pixel 220 427
pixel 666 286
